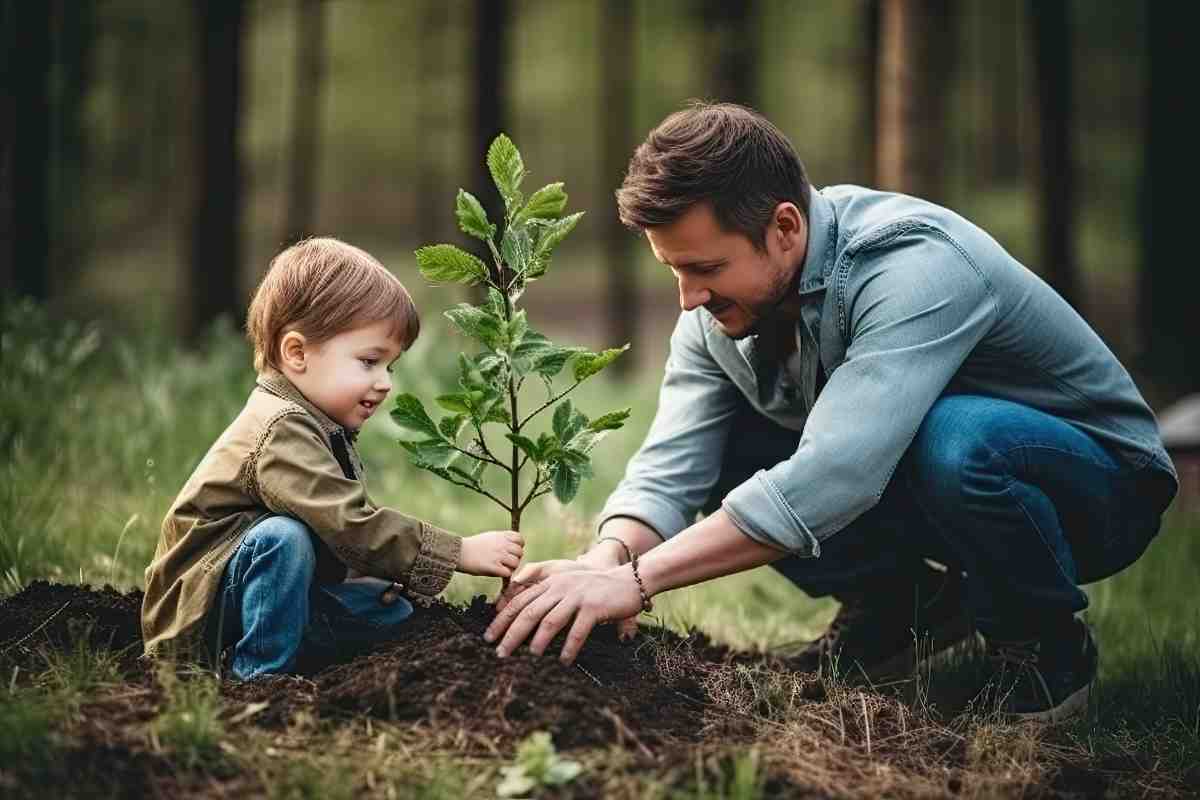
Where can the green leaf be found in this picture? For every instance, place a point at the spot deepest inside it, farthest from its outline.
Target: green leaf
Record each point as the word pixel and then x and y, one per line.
pixel 472 219
pixel 450 427
pixel 566 483
pixel 547 202
pixel 610 421
pixel 548 445
pixel 498 413
pixel 516 248
pixel 478 323
pixel 517 327
pixel 589 364
pixel 552 234
pixel 469 375
pixel 430 453
pixel 410 414
pixel 577 461
pixel 526 445
pixel 469 477
pixel 562 771
pixel 445 263
pixel 507 168
pixel 455 402
pixel 567 421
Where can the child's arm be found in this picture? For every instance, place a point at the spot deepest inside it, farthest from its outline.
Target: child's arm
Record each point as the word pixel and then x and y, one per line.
pixel 294 472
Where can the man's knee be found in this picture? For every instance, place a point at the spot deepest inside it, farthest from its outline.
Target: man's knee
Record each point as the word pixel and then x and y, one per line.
pixel 286 537
pixel 962 441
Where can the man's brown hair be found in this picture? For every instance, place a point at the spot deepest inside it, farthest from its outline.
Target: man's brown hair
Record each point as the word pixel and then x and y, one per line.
pixel 321 287
pixel 723 154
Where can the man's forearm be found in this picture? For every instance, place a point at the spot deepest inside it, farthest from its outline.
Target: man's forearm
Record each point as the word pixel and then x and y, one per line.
pixel 639 536
pixel 709 549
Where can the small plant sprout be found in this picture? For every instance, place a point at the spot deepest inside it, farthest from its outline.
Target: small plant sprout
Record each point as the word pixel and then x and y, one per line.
pixel 455 447
pixel 537 765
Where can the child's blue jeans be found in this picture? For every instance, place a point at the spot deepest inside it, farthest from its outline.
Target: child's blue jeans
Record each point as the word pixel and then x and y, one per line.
pixel 268 607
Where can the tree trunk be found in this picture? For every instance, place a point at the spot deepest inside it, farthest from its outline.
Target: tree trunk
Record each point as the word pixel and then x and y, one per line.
pixel 25 149
pixel 215 256
pixel 435 19
pixel 869 66
pixel 916 56
pixel 306 121
pixel 69 199
pixel 491 101
pixel 731 30
pixel 1050 33
pixel 618 69
pixel 1167 312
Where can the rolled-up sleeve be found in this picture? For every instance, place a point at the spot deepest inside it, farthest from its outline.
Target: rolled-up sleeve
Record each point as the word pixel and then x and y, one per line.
pixel 915 307
pixel 296 474
pixel 672 474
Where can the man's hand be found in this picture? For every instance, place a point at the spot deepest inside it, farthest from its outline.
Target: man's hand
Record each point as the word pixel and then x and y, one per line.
pixel 581 597
pixel 599 557
pixel 492 553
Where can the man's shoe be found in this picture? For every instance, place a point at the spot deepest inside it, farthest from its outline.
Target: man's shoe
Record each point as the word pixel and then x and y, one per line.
pixel 882 635
pixel 1046 679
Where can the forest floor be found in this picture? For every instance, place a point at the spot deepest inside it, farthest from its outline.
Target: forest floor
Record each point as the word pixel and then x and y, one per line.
pixel 433 713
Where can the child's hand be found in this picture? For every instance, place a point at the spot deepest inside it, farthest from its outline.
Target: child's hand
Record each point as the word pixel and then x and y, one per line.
pixel 495 553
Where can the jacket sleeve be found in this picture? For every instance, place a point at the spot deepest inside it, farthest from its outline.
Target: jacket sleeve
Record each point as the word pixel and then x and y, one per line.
pixel 295 473
pixel 915 307
pixel 671 475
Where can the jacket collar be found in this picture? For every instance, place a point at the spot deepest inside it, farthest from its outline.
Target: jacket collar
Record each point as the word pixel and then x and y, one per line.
pixel 276 383
pixel 822 236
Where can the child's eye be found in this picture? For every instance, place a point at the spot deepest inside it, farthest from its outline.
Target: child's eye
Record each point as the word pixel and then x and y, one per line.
pixel 369 363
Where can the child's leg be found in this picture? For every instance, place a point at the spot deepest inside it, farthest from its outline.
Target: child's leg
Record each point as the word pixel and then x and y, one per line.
pixel 263 604
pixel 350 614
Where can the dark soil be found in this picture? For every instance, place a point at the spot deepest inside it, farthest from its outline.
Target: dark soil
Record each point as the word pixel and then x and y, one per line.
pixel 659 697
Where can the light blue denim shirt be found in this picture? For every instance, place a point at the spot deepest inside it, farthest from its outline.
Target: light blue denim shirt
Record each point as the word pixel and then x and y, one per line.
pixel 903 301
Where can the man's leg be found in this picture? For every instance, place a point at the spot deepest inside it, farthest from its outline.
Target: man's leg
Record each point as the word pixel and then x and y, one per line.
pixel 1008 488
pixel 893 604
pixel 262 605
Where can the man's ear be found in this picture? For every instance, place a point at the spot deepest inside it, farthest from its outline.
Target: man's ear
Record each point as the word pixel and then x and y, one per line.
pixel 790 228
pixel 293 351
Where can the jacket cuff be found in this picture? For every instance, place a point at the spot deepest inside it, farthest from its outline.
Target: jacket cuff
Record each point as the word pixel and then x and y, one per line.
pixel 666 520
pixel 434 565
pixel 760 510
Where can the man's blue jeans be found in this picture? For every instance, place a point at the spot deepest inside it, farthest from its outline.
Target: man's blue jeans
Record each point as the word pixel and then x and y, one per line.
pixel 1023 502
pixel 268 607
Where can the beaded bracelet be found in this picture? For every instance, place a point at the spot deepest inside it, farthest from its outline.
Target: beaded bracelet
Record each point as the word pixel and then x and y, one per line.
pixel 647 604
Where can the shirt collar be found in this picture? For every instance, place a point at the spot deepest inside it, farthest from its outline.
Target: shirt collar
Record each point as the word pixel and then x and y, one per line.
pixel 822 236
pixel 275 382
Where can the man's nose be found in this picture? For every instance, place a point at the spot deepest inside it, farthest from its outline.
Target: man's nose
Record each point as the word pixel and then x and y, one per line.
pixel 692 295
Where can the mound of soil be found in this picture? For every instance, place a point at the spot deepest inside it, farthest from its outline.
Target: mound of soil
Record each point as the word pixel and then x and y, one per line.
pixel 437 669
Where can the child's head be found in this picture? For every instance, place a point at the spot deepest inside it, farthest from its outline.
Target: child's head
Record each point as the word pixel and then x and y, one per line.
pixel 332 318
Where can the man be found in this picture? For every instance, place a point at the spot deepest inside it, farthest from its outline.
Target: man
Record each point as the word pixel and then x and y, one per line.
pixel 861 383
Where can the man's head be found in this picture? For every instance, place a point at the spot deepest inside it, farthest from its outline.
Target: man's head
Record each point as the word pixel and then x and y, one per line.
pixel 723 199
pixel 332 319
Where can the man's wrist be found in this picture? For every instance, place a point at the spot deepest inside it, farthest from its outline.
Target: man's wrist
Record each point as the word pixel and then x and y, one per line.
pixel 604 554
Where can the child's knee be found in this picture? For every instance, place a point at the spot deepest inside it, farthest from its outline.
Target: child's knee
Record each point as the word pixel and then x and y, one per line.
pixel 284 537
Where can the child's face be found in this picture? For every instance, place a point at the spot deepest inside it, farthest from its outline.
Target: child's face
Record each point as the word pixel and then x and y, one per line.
pixel 347 376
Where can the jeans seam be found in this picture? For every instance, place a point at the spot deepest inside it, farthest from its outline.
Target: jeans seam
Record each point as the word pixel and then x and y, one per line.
pixel 1008 491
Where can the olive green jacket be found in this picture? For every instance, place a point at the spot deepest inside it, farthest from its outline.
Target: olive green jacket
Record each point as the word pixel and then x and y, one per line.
pixel 281 455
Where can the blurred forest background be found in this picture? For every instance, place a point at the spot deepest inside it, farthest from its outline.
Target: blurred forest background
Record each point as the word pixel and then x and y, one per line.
pixel 156 154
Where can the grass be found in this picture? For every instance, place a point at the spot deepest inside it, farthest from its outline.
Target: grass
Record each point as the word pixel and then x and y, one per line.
pixel 99 431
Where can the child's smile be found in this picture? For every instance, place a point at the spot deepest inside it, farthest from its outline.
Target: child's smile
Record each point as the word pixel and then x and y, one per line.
pixel 347 376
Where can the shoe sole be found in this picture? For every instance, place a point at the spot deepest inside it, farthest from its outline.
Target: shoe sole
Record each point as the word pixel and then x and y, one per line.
pixel 1071 708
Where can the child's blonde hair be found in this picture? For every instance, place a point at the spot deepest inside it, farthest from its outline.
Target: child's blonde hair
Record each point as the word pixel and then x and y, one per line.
pixel 321 287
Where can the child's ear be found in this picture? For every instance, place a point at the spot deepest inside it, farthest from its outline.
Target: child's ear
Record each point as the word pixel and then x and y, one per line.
pixel 292 351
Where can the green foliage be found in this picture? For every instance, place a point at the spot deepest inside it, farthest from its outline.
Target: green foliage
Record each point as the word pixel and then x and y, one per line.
pixel 536 766
pixel 510 352
pixel 190 725
pixel 27 722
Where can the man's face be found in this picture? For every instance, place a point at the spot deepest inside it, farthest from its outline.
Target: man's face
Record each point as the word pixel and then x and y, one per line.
pixel 723 271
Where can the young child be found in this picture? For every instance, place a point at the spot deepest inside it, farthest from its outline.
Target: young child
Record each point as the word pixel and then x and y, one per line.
pixel 263 548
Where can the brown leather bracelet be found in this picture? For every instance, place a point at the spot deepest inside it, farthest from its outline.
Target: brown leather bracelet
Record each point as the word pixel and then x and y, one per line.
pixel 647 604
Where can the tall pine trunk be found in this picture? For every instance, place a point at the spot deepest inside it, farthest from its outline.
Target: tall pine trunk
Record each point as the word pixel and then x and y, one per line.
pixel 304 151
